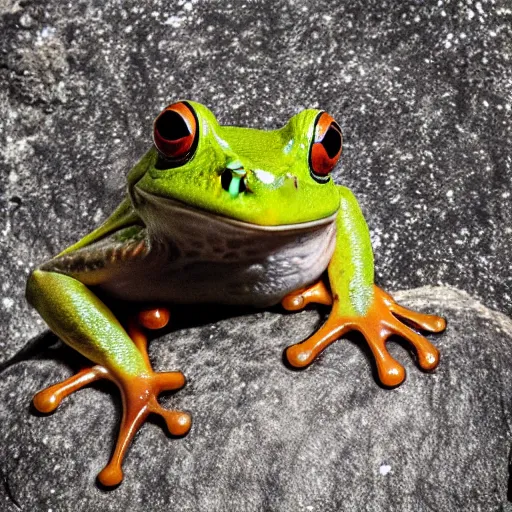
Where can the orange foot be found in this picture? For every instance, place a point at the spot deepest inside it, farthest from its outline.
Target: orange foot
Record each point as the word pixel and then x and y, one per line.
pixel 139 396
pixel 381 321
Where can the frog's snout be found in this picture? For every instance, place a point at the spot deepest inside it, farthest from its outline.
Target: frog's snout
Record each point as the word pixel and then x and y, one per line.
pixel 233 179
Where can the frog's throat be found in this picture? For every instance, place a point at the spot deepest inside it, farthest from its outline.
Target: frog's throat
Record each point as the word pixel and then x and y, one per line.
pixel 142 199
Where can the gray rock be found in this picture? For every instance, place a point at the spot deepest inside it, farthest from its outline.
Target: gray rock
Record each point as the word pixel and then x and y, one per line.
pixel 267 438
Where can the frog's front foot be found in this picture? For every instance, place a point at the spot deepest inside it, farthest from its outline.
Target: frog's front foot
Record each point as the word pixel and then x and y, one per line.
pixel 382 320
pixel 139 396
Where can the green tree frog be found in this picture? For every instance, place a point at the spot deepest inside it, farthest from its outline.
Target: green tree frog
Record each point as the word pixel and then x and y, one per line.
pixel 219 214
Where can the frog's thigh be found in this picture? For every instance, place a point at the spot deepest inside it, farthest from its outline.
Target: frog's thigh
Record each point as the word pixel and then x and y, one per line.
pixel 83 321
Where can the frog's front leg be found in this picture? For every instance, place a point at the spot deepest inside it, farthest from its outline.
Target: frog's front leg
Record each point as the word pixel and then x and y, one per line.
pixel 85 323
pixel 357 304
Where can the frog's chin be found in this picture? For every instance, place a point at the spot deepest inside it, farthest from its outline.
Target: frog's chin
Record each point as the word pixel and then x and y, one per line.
pixel 159 210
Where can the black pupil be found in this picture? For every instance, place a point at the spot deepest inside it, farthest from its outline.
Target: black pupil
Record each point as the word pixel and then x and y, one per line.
pixel 332 141
pixel 171 126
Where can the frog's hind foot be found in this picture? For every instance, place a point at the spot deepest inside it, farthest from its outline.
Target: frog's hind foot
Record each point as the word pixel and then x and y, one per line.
pixel 382 320
pixel 139 396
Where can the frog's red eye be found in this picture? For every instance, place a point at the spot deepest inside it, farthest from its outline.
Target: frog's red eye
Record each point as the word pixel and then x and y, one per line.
pixel 325 148
pixel 175 131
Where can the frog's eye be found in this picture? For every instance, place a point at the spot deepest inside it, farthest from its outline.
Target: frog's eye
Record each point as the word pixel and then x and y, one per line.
pixel 175 132
pixel 325 147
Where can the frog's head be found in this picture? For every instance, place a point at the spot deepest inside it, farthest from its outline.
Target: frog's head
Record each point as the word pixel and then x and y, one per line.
pixel 268 178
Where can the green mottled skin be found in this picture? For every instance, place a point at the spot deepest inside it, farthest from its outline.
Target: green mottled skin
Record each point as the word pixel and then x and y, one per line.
pixel 281 191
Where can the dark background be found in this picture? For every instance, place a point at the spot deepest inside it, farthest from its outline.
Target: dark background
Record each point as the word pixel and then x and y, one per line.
pixel 422 91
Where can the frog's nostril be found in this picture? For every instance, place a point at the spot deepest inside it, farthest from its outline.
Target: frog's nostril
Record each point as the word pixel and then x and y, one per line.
pixel 225 179
pixel 233 182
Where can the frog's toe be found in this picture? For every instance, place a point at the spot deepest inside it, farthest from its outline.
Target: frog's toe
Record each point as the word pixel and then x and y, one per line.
pixel 428 355
pixel 299 299
pixel 111 475
pixel 49 399
pixel 156 318
pixel 178 422
pixel 299 356
pixel 304 353
pixel 429 323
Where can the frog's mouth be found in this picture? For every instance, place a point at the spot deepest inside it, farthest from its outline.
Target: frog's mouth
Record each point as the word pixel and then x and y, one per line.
pixel 157 211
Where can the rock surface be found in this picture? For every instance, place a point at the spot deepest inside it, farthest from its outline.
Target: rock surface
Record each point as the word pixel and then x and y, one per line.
pixel 268 438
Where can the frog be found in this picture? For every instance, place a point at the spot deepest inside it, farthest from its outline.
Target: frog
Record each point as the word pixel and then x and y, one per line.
pixel 219 214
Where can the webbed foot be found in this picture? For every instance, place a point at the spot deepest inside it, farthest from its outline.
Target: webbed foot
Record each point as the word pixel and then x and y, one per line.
pixel 382 320
pixel 139 395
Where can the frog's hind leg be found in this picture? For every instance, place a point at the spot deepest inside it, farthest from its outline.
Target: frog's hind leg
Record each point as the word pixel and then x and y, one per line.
pixel 135 408
pixel 80 319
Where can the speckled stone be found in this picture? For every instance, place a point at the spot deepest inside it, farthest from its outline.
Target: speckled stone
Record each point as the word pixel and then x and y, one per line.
pixel 423 92
pixel 268 438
